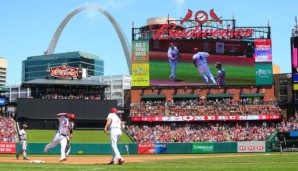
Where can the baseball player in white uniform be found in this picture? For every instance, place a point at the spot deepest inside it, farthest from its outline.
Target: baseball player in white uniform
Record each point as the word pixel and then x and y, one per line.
pixel 70 130
pixel 200 62
pixel 61 134
pixel 221 74
pixel 173 55
pixel 113 128
pixel 23 142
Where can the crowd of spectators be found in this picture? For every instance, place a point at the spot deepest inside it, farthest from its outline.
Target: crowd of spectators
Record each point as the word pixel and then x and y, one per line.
pixel 8 131
pixel 203 132
pixel 57 93
pixel 197 107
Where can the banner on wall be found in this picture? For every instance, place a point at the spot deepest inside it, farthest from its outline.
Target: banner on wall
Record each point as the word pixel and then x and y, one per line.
pixel 206 118
pixel 160 148
pixel 7 147
pixel 203 147
pixel 263 50
pixel 146 148
pixel 140 63
pixel 251 146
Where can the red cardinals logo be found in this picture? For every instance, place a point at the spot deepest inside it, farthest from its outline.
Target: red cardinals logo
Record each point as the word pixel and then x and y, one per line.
pixel 201 17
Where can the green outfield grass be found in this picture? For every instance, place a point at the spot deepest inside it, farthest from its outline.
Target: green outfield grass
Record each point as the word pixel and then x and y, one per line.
pixel 214 162
pixel 235 75
pixel 79 136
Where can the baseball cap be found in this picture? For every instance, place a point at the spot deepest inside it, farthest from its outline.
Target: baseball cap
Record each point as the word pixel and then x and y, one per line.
pixel 25 126
pixel 71 115
pixel 114 110
pixel 196 49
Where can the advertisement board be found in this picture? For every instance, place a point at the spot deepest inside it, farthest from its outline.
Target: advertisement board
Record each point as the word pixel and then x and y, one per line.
pixel 264 73
pixel 205 118
pixel 203 147
pixel 7 147
pixel 294 47
pixel 251 146
pixel 140 63
pixel 146 148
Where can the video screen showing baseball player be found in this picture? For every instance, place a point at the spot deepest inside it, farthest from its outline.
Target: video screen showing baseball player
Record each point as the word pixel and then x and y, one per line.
pixel 200 62
pixel 113 128
pixel 221 74
pixel 23 142
pixel 173 55
pixel 236 55
pixel 61 134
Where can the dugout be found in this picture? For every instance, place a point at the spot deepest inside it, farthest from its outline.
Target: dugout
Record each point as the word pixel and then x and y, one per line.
pixel 84 98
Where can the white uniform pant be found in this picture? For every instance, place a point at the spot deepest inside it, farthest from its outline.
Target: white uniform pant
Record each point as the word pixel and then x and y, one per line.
pixel 63 141
pixel 114 138
pixel 24 147
pixel 204 68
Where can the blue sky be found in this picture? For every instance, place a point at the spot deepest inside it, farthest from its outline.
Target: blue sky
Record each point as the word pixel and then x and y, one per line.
pixel 27 27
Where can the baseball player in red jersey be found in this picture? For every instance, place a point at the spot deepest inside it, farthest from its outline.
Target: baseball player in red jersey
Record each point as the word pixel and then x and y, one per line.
pixel 113 128
pixel 61 134
pixel 23 142
pixel 200 62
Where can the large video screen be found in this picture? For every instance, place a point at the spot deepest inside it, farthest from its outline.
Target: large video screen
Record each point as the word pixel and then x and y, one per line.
pixel 215 62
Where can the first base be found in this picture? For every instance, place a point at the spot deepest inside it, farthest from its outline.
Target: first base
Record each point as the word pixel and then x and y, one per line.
pixel 36 161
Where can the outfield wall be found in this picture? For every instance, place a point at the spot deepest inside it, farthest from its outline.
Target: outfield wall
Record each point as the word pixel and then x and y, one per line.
pixel 157 148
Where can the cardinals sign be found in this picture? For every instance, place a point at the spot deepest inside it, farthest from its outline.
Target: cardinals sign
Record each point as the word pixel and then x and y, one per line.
pixel 167 31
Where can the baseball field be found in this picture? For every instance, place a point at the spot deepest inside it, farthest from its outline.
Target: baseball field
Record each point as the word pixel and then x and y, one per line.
pixel 199 162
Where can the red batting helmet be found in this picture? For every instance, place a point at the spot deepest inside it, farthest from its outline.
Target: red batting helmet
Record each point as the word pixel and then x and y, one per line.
pixel 196 49
pixel 71 115
pixel 114 110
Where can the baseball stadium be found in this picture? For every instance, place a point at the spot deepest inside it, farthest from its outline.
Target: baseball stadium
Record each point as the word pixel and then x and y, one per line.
pixel 167 123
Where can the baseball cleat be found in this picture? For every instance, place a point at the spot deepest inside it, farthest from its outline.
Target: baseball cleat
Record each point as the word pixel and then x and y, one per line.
pixel 17 156
pixel 111 162
pixel 25 158
pixel 63 159
pixel 120 161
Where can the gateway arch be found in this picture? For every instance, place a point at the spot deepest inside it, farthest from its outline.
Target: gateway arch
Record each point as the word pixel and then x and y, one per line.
pixel 121 35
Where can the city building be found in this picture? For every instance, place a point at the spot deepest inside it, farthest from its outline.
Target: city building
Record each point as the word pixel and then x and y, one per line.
pixel 3 71
pixel 35 67
pixel 118 85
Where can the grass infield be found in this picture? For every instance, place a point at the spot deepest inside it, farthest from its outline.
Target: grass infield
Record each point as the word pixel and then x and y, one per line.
pixel 79 136
pixel 199 162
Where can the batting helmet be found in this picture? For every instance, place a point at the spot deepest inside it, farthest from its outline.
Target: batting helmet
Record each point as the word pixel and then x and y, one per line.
pixel 218 64
pixel 71 115
pixel 25 126
pixel 196 49
pixel 114 110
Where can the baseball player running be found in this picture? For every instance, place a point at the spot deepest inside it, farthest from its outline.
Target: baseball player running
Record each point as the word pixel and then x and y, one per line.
pixel 200 62
pixel 173 55
pixel 23 142
pixel 61 134
pixel 221 74
pixel 70 130
pixel 113 128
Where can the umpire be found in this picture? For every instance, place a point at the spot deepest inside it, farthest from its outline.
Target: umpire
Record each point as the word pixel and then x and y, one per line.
pixel 281 142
